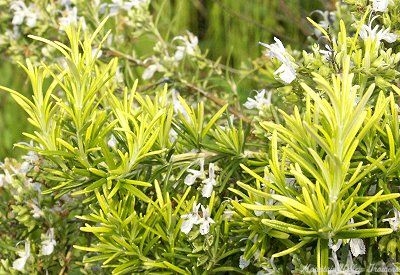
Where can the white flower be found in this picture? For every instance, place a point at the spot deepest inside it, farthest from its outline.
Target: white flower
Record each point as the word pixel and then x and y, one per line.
pixel 178 107
pixel 345 269
pixel 172 135
pixel 151 70
pixel 5 178
pixel 228 214
pixel 180 53
pixel 112 142
pixel 357 247
pixel 209 182
pixel 23 13
pixel 19 264
pixel 259 101
pixel 380 5
pixel 367 32
pixel 243 263
pixel 194 218
pixel 286 71
pixel 119 76
pixel 191 219
pixel 118 5
pixel 194 174
pixel 190 46
pixel 36 211
pixel 327 19
pixel 205 221
pixel 335 248
pixel 2 180
pixel 328 53
pixel 258 213
pixel 395 221
pixel 48 242
pixel 96 53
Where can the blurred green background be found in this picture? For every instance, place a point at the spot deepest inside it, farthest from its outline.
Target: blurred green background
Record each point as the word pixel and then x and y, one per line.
pixel 230 29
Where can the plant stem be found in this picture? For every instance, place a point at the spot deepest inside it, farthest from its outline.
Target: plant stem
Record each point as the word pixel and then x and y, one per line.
pixel 322 256
pixel 372 241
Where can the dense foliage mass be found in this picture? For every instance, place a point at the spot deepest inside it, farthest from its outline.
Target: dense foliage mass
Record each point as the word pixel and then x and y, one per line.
pixel 147 162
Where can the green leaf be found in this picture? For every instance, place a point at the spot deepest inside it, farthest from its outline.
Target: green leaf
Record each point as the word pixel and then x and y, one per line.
pixel 213 120
pixel 309 212
pixel 363 233
pixel 289 228
pixel 292 249
pixel 137 193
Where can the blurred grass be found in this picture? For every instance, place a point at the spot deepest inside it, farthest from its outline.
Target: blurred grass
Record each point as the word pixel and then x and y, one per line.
pixel 230 29
pixel 12 118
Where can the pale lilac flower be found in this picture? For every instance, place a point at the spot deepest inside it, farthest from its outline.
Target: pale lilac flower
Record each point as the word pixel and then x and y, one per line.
pixel 243 263
pixel 209 182
pixel 205 221
pixel 395 221
pixel 19 264
pixel 380 5
pixel 287 71
pixel 367 32
pixel 191 219
pixel 194 174
pixel 48 242
pixel 23 13
pixel 70 18
pixel 260 100
pixel 357 247
pixel 30 159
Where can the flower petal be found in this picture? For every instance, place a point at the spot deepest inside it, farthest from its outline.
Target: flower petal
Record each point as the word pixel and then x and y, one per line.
pixel 357 247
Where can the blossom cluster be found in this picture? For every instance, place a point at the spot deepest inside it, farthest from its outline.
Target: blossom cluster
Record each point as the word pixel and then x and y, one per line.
pixel 36 219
